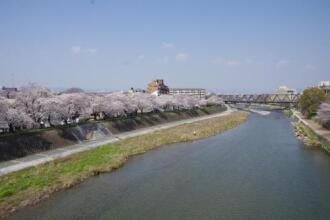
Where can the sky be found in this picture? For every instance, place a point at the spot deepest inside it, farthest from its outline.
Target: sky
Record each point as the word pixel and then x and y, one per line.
pixel 223 46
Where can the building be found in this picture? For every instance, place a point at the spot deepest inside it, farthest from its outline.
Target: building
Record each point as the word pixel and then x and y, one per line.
pixel 8 92
pixel 132 90
pixel 200 93
pixel 284 90
pixel 157 87
pixel 9 89
pixel 325 86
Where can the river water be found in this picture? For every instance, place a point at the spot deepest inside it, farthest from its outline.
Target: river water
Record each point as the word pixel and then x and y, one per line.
pixel 256 171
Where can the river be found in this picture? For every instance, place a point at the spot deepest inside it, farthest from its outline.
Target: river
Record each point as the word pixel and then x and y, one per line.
pixel 258 170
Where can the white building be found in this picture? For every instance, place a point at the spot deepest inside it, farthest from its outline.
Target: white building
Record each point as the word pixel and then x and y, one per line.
pixel 325 86
pixel 284 90
pixel 324 83
pixel 200 93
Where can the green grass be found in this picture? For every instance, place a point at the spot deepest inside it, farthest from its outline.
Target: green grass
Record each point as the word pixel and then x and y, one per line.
pixel 31 185
pixel 314 139
pixel 288 113
pixel 33 141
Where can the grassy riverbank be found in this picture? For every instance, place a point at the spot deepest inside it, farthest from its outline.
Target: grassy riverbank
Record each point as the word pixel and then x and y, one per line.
pixel 34 184
pixel 20 144
pixel 310 138
pixel 311 133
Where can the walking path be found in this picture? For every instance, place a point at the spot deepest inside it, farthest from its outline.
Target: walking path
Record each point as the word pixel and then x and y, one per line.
pixel 317 128
pixel 39 158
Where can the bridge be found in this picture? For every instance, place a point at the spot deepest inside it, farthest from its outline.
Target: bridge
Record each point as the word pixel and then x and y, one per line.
pixel 272 99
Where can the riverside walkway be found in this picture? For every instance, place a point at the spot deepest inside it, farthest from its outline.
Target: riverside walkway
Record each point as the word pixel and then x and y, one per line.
pixel 317 128
pixel 47 156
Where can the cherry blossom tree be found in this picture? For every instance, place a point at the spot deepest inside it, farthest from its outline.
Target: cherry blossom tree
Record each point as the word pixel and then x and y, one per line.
pixel 53 110
pixel 76 105
pixel 4 106
pixel 35 105
pixel 324 114
pixel 144 102
pixel 18 120
pixel 115 108
pixel 97 106
pixel 186 101
pixel 166 102
pixel 28 100
pixel 202 102
pixel 214 99
pixel 128 101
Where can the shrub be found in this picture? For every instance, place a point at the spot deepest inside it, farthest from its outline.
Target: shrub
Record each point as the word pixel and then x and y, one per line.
pixel 311 100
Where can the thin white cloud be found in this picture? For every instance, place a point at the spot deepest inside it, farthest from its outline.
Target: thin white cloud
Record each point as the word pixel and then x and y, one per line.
pixel 249 61
pixel 163 60
pixel 310 67
pixel 140 57
pixel 182 57
pixel 282 63
pixel 76 49
pixel 91 50
pixel 226 62
pixel 167 45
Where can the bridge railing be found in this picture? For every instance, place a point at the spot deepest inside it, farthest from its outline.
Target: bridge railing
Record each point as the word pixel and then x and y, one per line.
pixel 262 98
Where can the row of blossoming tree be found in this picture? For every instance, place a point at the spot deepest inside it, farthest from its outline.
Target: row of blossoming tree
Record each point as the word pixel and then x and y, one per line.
pixel 35 106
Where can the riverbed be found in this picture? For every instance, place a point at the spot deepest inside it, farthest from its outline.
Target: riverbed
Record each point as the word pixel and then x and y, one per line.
pixel 258 170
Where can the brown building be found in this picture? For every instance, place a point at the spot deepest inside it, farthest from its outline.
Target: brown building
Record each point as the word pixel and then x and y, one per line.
pixel 157 87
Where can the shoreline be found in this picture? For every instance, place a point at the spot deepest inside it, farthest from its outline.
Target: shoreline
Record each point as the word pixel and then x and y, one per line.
pixel 16 146
pixel 46 179
pixel 37 158
pixel 312 134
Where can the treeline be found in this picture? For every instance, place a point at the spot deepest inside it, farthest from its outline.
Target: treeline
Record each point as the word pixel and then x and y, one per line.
pixel 36 106
pixel 315 103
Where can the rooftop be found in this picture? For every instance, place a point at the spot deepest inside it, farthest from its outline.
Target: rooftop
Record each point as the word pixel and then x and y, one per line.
pixel 188 88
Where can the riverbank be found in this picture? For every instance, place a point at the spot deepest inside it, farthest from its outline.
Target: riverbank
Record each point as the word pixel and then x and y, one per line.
pixel 311 133
pixel 51 155
pixel 29 186
pixel 29 142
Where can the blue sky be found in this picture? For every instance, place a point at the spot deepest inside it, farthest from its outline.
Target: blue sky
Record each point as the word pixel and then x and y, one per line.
pixel 225 46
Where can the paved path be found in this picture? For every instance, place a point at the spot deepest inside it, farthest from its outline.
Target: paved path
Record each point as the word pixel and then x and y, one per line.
pixel 317 128
pixel 39 158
